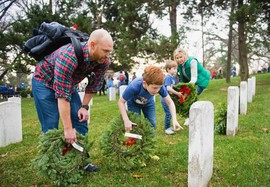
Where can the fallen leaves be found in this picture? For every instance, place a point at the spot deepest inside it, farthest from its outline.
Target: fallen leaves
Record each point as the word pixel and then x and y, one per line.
pixel 137 176
pixel 266 130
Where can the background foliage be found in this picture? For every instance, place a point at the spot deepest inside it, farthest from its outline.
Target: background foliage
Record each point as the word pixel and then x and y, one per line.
pixel 131 25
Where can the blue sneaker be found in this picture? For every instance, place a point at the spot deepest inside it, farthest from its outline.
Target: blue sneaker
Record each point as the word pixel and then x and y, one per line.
pixel 91 168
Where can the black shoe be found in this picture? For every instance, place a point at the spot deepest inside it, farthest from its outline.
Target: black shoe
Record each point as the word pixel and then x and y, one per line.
pixel 91 168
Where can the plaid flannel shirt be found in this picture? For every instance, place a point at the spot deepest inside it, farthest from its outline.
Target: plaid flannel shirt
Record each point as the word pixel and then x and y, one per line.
pixel 60 71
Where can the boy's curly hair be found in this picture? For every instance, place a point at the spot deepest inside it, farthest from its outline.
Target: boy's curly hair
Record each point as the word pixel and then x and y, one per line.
pixel 153 75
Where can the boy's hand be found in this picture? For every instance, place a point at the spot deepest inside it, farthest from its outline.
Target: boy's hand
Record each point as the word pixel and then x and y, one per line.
pixel 177 127
pixel 179 94
pixel 128 125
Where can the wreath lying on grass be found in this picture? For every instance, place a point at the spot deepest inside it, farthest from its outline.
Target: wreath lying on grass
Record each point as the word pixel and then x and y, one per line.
pixel 125 152
pixel 221 118
pixel 58 161
pixel 182 104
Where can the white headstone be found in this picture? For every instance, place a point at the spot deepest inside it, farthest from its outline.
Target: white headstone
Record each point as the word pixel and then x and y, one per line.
pixel 15 99
pixel 122 89
pixel 112 94
pixel 201 143
pixel 253 85
pixel 10 123
pixel 232 110
pixel 243 97
pixel 249 94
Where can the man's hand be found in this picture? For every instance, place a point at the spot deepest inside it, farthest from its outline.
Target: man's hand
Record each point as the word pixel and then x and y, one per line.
pixel 83 115
pixel 70 135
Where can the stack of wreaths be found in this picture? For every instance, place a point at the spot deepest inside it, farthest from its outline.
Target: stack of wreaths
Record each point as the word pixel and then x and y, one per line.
pixel 125 152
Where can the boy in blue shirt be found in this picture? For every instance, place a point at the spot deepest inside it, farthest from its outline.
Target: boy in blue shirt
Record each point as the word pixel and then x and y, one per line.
pixel 170 80
pixel 139 96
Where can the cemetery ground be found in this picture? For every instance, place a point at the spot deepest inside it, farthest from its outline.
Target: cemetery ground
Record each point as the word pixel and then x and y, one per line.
pixel 242 160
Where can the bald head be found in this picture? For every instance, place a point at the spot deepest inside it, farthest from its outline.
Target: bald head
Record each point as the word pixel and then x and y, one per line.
pixel 100 45
pixel 100 35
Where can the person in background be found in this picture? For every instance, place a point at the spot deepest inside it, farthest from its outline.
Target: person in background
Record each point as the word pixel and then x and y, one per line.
pixel 122 80
pixel 139 96
pixel 127 77
pixel 214 74
pixel 54 81
pixel 110 83
pixel 170 80
pixel 103 88
pixel 220 73
pixel 190 70
pixel 134 76
pixel 233 71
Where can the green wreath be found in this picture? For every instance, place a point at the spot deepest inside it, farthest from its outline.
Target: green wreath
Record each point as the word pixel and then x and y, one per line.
pixel 183 104
pixel 128 153
pixel 58 161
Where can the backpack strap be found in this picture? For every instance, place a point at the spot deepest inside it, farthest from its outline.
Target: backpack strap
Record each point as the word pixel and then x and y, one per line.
pixel 77 49
pixel 91 76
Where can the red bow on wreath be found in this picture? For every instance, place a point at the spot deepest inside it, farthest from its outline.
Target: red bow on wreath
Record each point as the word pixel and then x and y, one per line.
pixel 129 142
pixel 185 93
pixel 66 149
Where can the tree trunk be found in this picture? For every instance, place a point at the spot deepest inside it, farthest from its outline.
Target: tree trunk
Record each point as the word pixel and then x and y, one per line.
pixel 51 7
pixel 172 14
pixel 229 58
pixel 242 44
pixel 202 25
pixel 3 74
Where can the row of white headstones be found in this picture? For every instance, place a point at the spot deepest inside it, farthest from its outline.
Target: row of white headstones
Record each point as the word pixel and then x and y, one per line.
pixel 201 126
pixel 201 129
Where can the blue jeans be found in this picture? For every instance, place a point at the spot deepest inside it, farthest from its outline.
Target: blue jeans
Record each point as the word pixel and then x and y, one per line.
pixel 168 116
pixel 149 110
pixel 199 90
pixel 47 108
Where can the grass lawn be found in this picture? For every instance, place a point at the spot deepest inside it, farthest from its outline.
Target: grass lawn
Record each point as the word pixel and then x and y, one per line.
pixel 243 160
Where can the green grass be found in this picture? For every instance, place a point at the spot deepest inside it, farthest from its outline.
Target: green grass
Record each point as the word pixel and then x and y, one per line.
pixel 243 160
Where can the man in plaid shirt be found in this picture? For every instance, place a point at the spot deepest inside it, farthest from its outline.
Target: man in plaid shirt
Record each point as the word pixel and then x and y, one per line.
pixel 54 81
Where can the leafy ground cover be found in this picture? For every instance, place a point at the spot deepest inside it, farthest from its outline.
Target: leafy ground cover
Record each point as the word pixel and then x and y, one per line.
pixel 242 160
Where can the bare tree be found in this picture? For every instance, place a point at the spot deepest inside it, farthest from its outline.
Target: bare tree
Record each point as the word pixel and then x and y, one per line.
pixel 229 58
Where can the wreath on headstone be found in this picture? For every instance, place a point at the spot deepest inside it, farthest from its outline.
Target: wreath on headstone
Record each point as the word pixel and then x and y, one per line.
pixel 182 104
pixel 58 161
pixel 127 152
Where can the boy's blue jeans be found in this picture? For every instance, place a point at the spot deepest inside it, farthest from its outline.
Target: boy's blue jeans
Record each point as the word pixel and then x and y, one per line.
pixel 149 110
pixel 168 117
pixel 47 108
pixel 199 90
